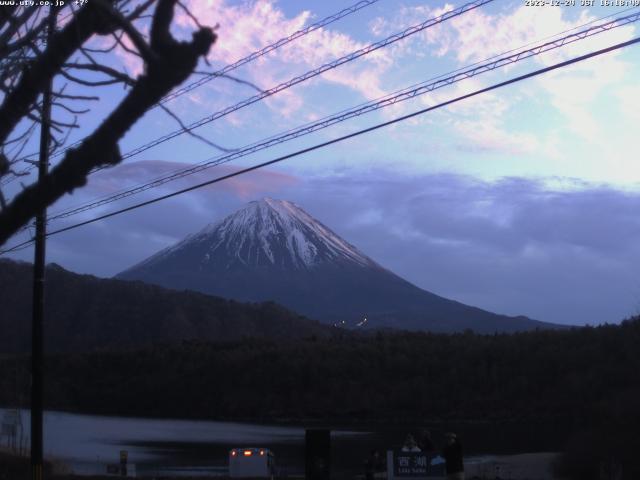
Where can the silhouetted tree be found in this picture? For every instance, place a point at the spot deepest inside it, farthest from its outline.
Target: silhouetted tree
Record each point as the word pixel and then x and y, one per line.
pixel 28 63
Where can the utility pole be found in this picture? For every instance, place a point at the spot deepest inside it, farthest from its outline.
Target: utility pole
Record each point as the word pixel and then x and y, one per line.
pixel 37 336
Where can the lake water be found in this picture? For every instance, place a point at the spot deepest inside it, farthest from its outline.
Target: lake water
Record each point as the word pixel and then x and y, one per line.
pixel 88 442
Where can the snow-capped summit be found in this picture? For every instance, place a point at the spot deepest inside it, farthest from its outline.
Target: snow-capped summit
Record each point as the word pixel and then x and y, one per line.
pixel 264 233
pixel 274 250
pixel 277 232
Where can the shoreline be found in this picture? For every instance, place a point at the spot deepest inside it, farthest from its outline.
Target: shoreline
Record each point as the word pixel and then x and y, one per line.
pixel 524 466
pixel 337 423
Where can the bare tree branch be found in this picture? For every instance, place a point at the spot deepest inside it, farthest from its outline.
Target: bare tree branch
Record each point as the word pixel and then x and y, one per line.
pixel 8 48
pixel 6 15
pixel 172 63
pixel 106 49
pixel 15 25
pixel 189 14
pixel 75 97
pixel 4 164
pixel 87 22
pixel 134 35
pixel 89 83
pixel 19 138
pixel 69 109
pixel 124 46
pixel 190 131
pixel 240 81
pixel 139 10
pixel 25 140
pixel 95 67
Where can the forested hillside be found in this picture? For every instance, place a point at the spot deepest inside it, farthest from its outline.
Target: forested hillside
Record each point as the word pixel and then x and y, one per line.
pixel 85 313
pixel 568 375
pixel 584 380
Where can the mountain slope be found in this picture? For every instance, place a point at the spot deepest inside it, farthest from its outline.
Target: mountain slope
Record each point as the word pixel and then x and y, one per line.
pixel 271 234
pixel 274 250
pixel 84 313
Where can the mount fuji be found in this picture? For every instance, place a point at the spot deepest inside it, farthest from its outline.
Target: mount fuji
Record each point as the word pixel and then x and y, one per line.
pixel 274 250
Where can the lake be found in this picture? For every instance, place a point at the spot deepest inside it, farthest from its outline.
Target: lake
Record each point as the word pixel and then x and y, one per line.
pixel 89 442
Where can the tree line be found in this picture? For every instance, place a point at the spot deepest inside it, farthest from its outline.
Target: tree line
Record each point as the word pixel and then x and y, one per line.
pixel 585 378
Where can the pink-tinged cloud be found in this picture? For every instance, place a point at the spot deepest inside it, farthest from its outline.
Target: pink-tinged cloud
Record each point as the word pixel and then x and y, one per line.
pixel 242 28
pixel 248 27
pixel 428 42
pixel 480 121
pixel 491 137
pixel 245 186
pixel 477 36
pixel 119 58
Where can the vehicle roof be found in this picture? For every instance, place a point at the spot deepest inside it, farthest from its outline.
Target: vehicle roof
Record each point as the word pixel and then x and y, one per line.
pixel 255 449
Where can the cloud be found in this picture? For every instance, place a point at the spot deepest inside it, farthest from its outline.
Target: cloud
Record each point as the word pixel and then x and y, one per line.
pixel 629 101
pixel 555 249
pixel 249 27
pixel 121 52
pixel 489 137
pixel 574 90
pixel 571 91
pixel 244 187
pixel 479 121
pixel 431 38
pixel 243 28
pixel 477 35
pixel 109 246
pixel 517 246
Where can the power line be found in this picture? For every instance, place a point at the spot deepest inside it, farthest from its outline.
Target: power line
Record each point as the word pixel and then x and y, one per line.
pixel 341 139
pixel 213 161
pixel 269 48
pixel 237 64
pixel 310 74
pixel 397 97
pixel 17 248
pixel 292 82
pixel 10 177
pixel 306 76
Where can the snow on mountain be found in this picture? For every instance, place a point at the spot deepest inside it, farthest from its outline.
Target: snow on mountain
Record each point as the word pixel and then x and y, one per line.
pixel 272 250
pixel 267 232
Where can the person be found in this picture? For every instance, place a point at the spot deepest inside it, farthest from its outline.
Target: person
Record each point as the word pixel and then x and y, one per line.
pixel 426 443
pixel 371 465
pixel 410 445
pixel 452 454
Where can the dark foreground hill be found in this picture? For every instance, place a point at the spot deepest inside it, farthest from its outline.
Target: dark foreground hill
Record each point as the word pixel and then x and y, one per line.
pixel 584 381
pixel 274 250
pixel 84 313
pixel 557 375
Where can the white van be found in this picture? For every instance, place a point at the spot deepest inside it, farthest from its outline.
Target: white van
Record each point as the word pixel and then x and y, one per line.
pixel 251 463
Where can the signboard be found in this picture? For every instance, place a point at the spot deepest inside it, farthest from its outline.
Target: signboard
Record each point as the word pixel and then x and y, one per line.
pixel 410 464
pixel 414 465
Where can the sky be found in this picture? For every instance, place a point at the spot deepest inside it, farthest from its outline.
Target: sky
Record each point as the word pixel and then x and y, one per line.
pixel 521 201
